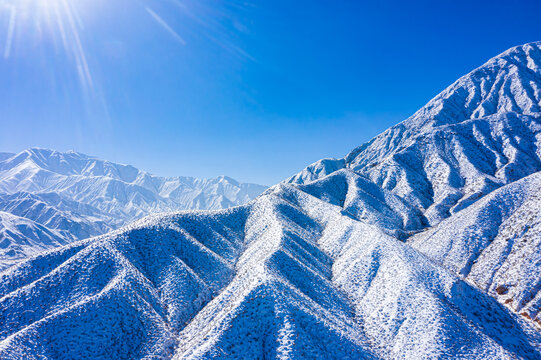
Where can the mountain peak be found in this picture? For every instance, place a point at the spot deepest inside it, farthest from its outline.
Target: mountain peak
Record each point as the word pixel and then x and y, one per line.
pixel 77 196
pixel 422 243
pixel 477 135
pixel 41 152
pixel 509 82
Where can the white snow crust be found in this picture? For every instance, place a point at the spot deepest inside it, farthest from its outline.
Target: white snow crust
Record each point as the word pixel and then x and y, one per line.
pixel 422 244
pixel 75 196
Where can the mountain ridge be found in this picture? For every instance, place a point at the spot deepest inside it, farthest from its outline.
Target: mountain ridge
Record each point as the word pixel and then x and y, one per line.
pixel 425 243
pixel 407 144
pixel 75 196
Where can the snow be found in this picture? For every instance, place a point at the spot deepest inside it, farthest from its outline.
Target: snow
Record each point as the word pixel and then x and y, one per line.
pixel 477 135
pixel 423 243
pixel 287 275
pixel 495 243
pixel 22 237
pixel 76 196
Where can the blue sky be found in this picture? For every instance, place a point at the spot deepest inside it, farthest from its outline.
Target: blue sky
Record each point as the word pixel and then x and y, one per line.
pixel 253 90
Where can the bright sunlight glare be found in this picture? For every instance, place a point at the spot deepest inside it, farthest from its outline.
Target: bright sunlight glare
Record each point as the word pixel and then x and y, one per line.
pixel 37 21
pixel 52 33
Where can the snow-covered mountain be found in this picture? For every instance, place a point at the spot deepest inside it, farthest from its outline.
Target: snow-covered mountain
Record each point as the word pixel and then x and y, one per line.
pixel 480 133
pixel 72 196
pixel 423 243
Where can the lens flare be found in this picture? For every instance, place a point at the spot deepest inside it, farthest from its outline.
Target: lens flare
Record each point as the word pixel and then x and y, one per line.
pixel 50 35
pixel 35 21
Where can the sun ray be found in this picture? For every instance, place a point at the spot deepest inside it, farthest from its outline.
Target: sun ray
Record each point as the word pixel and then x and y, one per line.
pixel 166 26
pixel 11 30
pixel 77 48
pixel 60 24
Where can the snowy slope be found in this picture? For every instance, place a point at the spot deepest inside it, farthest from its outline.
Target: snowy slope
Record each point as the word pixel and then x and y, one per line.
pixel 287 276
pixel 77 196
pixel 21 237
pixel 5 155
pixel 496 244
pixel 422 244
pixel 482 132
pixel 479 135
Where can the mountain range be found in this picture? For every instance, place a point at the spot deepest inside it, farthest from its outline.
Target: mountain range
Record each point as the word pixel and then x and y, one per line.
pixel 49 198
pixel 423 243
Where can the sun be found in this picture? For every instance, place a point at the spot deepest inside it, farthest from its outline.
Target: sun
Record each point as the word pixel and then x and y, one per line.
pixel 35 21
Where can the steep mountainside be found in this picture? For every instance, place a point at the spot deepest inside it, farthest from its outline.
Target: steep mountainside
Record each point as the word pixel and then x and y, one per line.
pixel 30 237
pixel 287 276
pixel 482 132
pixel 422 244
pixel 75 196
pixel 495 244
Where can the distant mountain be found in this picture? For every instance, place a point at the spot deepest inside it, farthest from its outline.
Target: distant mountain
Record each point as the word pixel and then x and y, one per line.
pixel 72 196
pixel 424 243
pixel 28 235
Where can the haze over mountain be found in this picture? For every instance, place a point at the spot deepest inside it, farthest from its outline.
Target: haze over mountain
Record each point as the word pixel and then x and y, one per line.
pixel 422 243
pixel 49 198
